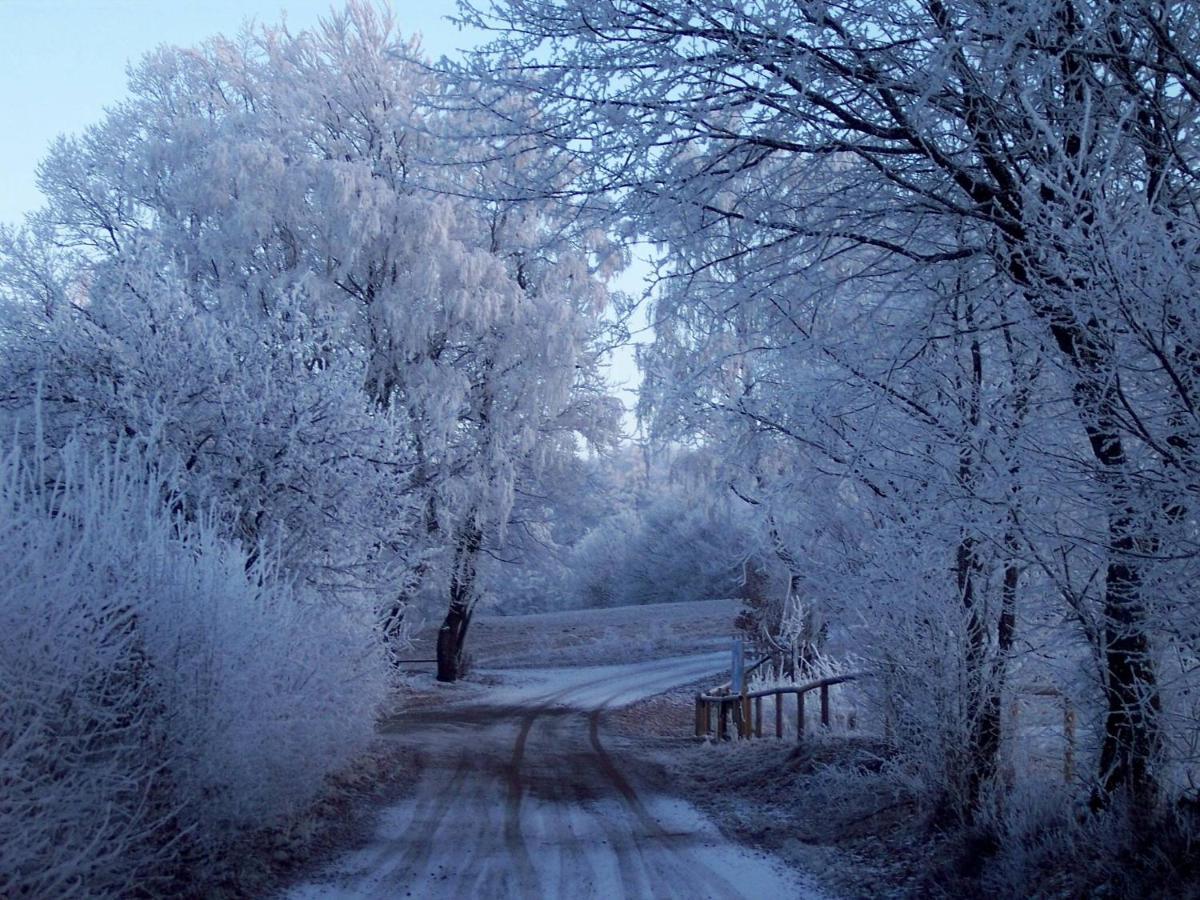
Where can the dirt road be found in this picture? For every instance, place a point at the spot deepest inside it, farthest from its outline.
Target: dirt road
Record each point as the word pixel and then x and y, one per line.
pixel 519 797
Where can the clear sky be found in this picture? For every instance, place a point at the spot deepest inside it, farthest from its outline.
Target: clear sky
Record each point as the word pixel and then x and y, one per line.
pixel 63 61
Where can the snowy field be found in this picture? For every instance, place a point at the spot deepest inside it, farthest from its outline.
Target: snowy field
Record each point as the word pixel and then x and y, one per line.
pixel 593 636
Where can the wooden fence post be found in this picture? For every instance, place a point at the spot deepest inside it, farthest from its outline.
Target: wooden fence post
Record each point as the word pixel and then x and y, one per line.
pixel 747 720
pixel 1069 733
pixel 1014 727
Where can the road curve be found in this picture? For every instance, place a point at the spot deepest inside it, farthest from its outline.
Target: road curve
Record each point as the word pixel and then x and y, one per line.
pixel 518 797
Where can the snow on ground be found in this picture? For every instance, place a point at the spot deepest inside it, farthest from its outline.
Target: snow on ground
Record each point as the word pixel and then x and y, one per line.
pixel 594 636
pixel 520 794
pixel 822 804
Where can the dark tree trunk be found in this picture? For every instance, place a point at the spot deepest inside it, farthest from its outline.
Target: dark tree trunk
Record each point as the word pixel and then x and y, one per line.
pixel 452 636
pixel 1131 722
pixel 1132 729
pixel 983 690
pixel 987 728
pixel 1131 732
pixel 991 721
pixel 450 643
pixel 983 669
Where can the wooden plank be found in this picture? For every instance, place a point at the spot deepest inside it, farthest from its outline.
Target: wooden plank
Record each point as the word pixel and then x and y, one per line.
pixel 748 724
pixel 808 686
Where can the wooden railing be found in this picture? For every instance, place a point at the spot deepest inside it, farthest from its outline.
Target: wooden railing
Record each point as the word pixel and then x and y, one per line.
pixel 722 713
pixel 746 712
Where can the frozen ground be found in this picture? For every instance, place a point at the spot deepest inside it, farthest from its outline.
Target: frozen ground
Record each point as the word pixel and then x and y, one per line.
pixel 594 636
pixel 518 795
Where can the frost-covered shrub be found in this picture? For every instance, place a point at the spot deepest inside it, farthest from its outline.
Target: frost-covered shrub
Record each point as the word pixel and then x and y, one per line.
pixel 256 412
pixel 597 564
pixel 159 691
pixel 685 550
pixel 676 549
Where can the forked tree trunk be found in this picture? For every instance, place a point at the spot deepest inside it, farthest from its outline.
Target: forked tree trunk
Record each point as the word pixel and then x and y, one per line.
pixel 1132 726
pixel 1132 735
pixel 984 667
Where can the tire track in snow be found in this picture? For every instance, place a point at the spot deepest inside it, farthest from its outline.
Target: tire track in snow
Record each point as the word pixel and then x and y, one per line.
pixel 514 838
pixel 685 871
pixel 524 800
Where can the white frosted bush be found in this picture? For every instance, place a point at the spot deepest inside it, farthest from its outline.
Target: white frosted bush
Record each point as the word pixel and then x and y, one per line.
pixel 269 690
pixel 156 689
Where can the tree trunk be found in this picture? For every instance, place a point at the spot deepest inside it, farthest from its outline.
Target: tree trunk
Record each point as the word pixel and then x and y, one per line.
pixel 983 701
pixel 1131 723
pixel 450 642
pixel 1131 731
pixel 983 669
pixel 452 635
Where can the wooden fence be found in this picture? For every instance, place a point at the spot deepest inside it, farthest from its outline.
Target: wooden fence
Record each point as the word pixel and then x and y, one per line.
pixel 743 712
pixel 726 715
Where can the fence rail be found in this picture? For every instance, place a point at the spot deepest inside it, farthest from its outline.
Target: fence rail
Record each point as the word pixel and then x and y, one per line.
pixel 745 709
pixel 726 714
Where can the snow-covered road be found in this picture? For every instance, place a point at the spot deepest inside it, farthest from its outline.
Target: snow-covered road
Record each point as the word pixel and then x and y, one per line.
pixel 519 797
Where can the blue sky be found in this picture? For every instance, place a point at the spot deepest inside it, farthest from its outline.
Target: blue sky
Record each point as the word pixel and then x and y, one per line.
pixel 63 61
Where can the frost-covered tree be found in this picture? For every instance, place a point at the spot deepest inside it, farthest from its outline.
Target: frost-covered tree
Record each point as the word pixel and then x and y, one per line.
pixel 662 535
pixel 259 415
pixel 1016 179
pixel 278 174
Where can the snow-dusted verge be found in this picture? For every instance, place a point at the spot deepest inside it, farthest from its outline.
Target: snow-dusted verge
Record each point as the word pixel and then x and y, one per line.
pixel 846 808
pixel 582 637
pixel 160 695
